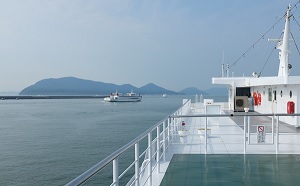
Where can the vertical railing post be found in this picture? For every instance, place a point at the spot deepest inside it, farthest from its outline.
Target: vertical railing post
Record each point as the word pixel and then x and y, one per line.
pixel 164 140
pixel 150 159
pixel 176 125
pixel 169 129
pixel 248 130
pixel 205 138
pixel 277 135
pixel 158 147
pixel 137 164
pixel 273 129
pixel 245 127
pixel 173 127
pixel 116 172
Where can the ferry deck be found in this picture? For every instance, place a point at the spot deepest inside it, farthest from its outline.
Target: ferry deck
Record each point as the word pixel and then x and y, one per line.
pixel 206 143
pixel 224 155
pixel 229 158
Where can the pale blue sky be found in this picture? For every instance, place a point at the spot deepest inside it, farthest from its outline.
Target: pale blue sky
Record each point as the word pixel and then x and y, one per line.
pixel 174 44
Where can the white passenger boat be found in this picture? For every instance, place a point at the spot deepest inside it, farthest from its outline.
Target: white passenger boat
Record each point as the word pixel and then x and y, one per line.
pixel 119 97
pixel 222 143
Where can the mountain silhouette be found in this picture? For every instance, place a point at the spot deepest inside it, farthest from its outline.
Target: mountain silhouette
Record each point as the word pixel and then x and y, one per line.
pixel 76 86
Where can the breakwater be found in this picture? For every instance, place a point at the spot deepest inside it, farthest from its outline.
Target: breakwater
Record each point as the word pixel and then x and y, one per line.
pixel 53 97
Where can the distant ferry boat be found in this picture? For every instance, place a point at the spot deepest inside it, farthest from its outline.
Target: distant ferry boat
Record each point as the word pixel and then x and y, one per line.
pixel 119 97
pixel 165 95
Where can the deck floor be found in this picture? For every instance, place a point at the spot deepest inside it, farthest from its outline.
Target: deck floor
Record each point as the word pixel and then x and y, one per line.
pixel 227 160
pixel 232 169
pixel 262 120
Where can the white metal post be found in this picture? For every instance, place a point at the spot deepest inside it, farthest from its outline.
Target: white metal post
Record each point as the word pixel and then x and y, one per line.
pixel 176 125
pixel 137 164
pixel 273 129
pixel 205 135
pixel 172 128
pixel 277 135
pixel 116 172
pixel 245 127
pixel 169 128
pixel 158 147
pixel 150 159
pixel 164 140
pixel 248 130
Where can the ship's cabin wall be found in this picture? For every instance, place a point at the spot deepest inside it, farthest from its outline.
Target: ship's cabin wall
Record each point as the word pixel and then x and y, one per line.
pixel 274 99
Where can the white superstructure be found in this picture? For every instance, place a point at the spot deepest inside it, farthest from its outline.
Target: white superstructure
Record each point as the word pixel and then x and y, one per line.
pixel 279 94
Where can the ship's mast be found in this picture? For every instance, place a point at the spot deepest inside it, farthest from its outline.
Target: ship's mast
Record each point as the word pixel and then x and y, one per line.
pixel 283 46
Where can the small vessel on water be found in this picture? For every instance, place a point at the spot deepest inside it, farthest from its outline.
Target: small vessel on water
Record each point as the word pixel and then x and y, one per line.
pixel 165 95
pixel 119 97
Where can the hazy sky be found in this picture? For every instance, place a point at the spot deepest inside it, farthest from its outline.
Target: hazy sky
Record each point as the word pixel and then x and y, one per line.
pixel 174 44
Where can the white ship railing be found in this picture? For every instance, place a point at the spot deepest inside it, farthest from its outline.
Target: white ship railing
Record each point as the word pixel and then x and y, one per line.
pixel 275 120
pixel 159 138
pixel 154 152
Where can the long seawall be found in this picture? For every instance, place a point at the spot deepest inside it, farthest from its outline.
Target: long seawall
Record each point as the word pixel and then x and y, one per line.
pixel 53 97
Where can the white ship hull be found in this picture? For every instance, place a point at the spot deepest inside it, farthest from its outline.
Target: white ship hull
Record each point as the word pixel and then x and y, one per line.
pixel 118 97
pixel 123 99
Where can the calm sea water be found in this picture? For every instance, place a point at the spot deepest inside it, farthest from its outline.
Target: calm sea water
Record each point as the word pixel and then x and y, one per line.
pixel 50 142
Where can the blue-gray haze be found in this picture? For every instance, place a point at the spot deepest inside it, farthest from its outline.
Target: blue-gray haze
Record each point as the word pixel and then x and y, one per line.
pixel 173 44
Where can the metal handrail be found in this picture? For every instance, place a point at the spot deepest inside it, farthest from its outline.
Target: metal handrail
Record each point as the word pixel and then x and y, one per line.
pixel 96 168
pixel 233 115
pixel 99 166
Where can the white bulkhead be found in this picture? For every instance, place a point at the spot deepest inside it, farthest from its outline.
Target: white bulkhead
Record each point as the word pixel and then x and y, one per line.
pixel 277 94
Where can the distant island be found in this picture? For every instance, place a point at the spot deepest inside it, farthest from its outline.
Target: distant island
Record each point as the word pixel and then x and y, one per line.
pixel 76 86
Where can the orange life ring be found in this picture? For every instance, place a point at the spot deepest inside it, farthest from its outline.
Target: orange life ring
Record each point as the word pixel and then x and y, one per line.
pixel 259 98
pixel 255 98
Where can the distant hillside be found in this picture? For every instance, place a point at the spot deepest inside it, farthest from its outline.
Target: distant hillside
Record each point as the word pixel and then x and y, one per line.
pixel 76 86
pixel 154 89
pixel 61 86
pixel 192 91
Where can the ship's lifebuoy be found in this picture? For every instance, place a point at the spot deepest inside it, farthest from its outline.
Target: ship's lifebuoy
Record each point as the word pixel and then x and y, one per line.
pixel 259 98
pixel 255 98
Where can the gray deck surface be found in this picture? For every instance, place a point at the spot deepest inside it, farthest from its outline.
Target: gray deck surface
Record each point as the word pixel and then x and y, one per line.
pixel 233 169
pixel 262 120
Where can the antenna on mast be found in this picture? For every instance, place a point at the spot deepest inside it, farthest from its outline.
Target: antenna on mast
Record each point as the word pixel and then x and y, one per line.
pixel 283 46
pixel 223 66
pixel 227 70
